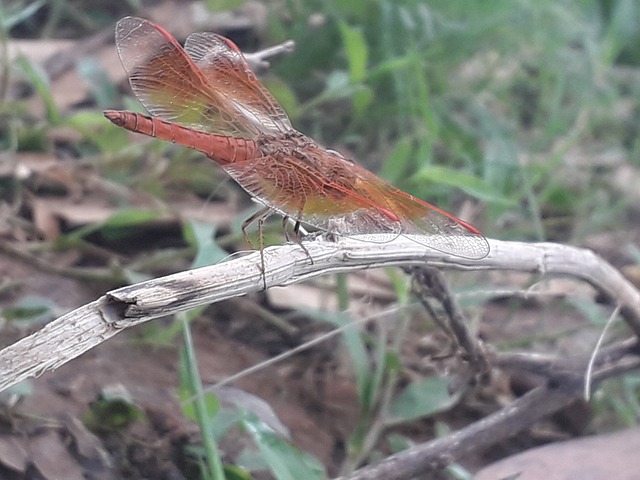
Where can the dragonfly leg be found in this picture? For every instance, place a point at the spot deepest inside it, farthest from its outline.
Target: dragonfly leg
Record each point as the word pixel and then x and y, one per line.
pixel 297 238
pixel 260 216
pixel 261 246
pixel 285 220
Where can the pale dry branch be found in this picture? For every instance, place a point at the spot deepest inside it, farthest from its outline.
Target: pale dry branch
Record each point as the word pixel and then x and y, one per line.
pixel 259 60
pixel 90 325
pixel 76 332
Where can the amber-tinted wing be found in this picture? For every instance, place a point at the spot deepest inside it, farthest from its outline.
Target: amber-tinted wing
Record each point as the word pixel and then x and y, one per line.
pixel 173 86
pixel 228 73
pixel 430 226
pixel 364 205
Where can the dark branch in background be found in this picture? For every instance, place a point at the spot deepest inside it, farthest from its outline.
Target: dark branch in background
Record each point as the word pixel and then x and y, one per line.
pixel 537 404
pixel 430 283
pixel 564 385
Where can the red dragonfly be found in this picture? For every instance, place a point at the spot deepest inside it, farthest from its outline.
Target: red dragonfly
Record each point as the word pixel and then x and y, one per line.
pixel 206 97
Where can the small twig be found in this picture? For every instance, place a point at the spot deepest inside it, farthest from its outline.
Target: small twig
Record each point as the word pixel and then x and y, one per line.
pixel 112 274
pixel 430 282
pixel 258 60
pixel 594 355
pixel 552 367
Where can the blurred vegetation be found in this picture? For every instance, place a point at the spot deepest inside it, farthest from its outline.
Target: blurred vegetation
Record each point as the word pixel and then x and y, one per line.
pixel 515 107
pixel 488 97
pixel 447 99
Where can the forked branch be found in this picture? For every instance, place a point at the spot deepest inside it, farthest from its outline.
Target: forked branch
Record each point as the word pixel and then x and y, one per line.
pixel 88 326
pixel 82 329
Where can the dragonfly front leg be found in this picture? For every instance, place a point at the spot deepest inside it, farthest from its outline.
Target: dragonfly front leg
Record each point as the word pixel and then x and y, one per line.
pixel 261 215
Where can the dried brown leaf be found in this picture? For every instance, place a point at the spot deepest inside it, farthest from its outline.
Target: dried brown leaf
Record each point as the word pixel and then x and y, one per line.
pixel 52 459
pixel 13 453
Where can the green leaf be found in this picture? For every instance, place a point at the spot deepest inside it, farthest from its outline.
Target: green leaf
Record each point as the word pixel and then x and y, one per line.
pixel 114 227
pixel 362 99
pixel 31 309
pixel 464 181
pixel 421 399
pixel 236 473
pixel 38 78
pixel 130 217
pixel 107 137
pixel 211 403
pixel 113 411
pixel 12 15
pixel 224 419
pixel 623 27
pixel 201 236
pixel 222 5
pixel 395 167
pixel 285 461
pixel 187 390
pixel 204 405
pixel 399 442
pixel 458 472
pixel 355 47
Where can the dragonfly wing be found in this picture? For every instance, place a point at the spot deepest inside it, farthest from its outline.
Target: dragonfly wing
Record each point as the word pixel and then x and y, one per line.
pixel 385 212
pixel 446 235
pixel 353 201
pixel 169 83
pixel 310 198
pixel 427 224
pixel 227 71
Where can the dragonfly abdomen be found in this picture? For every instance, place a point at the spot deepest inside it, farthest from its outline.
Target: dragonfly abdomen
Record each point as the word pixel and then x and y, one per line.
pixel 222 149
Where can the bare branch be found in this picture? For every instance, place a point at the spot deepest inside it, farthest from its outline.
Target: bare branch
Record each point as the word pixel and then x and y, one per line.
pixel 78 331
pixel 430 283
pixel 258 60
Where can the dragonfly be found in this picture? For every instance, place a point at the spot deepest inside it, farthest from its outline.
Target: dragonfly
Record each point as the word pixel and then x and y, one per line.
pixel 206 97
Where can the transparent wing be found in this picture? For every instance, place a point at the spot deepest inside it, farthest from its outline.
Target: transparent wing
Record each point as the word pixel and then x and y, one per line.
pixel 354 201
pixel 228 73
pixel 171 85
